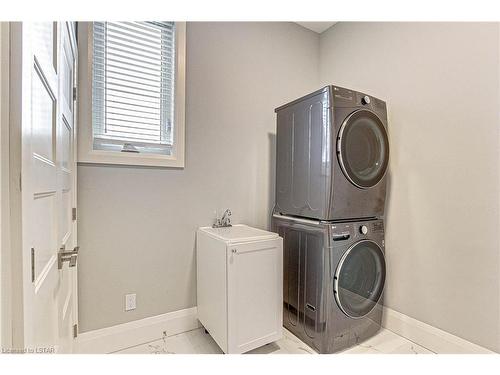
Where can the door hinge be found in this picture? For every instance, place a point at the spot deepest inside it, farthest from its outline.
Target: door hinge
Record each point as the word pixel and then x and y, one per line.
pixel 73 213
pixel 32 264
pixel 75 331
pixel 20 182
pixel 74 93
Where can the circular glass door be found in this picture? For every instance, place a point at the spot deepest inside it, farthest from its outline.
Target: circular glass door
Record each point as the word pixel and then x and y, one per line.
pixel 359 279
pixel 363 148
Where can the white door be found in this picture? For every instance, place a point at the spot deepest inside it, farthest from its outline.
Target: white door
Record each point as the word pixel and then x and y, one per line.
pixel 48 183
pixel 254 294
pixel 66 152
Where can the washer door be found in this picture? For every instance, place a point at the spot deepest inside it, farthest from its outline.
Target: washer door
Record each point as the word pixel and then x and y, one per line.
pixel 359 279
pixel 363 148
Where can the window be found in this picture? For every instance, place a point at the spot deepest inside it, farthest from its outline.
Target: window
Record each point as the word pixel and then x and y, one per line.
pixel 137 93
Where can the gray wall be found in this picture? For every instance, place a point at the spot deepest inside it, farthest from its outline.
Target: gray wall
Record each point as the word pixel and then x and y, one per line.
pixel 137 225
pixel 441 83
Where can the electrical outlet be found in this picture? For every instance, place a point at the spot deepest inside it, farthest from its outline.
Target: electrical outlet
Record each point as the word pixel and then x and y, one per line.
pixel 130 302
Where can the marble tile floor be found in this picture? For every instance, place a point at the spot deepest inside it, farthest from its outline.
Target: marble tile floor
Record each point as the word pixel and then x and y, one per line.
pixel 198 342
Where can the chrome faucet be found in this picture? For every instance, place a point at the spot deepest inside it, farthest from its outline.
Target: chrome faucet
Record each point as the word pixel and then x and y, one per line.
pixel 225 221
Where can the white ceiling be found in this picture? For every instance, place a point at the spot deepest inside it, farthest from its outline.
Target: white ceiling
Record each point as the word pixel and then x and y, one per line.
pixel 318 27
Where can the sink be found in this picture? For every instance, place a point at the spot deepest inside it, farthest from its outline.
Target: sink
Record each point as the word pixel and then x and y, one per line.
pixel 239 233
pixel 239 286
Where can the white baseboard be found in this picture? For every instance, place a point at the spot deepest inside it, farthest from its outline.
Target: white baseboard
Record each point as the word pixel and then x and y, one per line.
pixel 430 337
pixel 121 336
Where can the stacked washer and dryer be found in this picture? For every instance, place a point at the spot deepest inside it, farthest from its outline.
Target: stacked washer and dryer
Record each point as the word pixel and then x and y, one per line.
pixel 332 154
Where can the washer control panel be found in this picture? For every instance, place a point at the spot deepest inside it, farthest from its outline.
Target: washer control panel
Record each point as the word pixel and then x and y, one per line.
pixel 365 100
pixel 364 229
pixel 377 226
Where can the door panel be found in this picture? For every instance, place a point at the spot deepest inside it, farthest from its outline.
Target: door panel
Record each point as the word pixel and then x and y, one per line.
pixel 44 311
pixel 66 139
pixel 44 238
pixel 67 169
pixel 254 293
pixel 66 72
pixel 39 184
pixel 43 120
pixel 44 36
pixel 47 181
pixel 66 183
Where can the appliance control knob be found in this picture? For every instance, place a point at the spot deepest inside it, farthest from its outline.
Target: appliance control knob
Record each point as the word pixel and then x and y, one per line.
pixel 365 100
pixel 363 229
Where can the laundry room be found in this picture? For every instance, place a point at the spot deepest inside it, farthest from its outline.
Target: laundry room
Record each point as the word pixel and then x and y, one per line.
pixel 214 186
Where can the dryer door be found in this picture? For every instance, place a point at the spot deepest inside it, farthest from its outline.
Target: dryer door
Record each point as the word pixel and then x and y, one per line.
pixel 363 148
pixel 359 279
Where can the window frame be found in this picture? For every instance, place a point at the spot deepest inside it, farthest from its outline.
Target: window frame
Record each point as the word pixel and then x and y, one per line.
pixel 86 151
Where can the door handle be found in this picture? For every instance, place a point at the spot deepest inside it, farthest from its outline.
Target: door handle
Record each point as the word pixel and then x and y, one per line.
pixel 341 236
pixel 67 256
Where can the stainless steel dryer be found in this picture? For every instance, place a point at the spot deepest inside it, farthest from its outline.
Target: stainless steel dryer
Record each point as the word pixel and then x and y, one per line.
pixel 332 153
pixel 333 281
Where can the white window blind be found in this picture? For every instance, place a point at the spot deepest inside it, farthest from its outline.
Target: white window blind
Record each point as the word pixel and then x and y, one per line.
pixel 133 86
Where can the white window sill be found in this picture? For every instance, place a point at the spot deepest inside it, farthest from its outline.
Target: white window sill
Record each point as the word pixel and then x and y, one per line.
pixel 131 159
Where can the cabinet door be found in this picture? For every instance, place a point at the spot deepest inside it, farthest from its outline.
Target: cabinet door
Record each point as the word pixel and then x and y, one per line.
pixel 255 294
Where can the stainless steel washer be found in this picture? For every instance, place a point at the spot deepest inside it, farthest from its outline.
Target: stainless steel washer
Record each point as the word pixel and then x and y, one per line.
pixel 334 276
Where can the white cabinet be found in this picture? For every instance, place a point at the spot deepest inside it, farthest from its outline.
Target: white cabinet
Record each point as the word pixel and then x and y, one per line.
pixel 240 286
